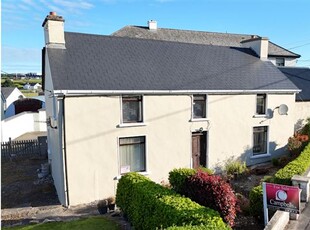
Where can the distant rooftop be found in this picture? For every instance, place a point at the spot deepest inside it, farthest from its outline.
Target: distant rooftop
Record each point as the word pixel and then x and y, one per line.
pixel 198 37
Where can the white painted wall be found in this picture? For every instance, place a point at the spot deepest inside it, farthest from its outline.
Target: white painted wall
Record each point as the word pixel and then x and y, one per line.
pixel 21 123
pixel 13 97
pixel 302 113
pixel 92 132
pixel 287 61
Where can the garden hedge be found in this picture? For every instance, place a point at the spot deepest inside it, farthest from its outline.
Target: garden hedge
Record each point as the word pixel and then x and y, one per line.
pixel 295 167
pixel 178 176
pixel 149 206
pixel 283 176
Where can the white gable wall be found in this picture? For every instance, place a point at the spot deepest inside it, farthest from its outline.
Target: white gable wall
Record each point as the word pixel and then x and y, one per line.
pixel 92 132
pixel 13 97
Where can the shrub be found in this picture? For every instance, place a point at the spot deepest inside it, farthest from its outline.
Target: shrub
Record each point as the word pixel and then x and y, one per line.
pixel 178 176
pixel 190 227
pixel 149 206
pixel 212 191
pixel 295 167
pixel 256 201
pixel 235 167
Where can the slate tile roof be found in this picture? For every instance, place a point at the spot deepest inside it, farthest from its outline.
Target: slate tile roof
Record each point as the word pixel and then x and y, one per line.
pixel 198 37
pixel 6 91
pixel 300 76
pixel 96 62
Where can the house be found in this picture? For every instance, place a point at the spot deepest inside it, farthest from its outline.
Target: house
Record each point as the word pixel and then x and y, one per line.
pixel 32 86
pixel 150 106
pixel 300 76
pixel 10 95
pixel 276 54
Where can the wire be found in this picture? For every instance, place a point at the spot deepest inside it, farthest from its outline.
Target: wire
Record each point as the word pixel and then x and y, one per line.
pixel 299 46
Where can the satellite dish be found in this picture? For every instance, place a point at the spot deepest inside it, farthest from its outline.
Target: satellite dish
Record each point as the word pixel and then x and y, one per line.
pixel 283 109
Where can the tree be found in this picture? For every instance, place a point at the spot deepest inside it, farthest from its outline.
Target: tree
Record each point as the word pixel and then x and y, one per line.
pixel 7 83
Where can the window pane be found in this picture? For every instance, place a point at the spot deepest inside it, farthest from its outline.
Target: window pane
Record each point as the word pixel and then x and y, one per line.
pixel 261 104
pixel 132 154
pixel 132 109
pixel 260 140
pixel 199 106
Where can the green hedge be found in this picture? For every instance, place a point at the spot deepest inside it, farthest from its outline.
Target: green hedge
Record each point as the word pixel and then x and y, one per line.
pixel 149 206
pixel 295 167
pixel 178 176
pixel 283 176
pixel 190 227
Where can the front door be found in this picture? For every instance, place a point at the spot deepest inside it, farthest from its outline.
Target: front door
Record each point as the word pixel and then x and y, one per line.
pixel 199 153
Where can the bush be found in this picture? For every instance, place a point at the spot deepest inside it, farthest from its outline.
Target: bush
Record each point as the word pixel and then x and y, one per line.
pixel 190 227
pixel 235 167
pixel 212 191
pixel 149 206
pixel 295 167
pixel 256 201
pixel 178 176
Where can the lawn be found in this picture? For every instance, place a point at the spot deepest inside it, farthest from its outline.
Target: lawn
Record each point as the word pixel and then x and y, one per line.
pixel 93 223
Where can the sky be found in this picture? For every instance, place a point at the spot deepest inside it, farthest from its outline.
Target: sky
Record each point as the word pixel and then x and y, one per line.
pixel 284 22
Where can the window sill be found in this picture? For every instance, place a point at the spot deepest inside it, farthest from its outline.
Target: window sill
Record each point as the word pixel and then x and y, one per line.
pixel 199 119
pixel 261 116
pixel 142 173
pixel 263 155
pixel 124 125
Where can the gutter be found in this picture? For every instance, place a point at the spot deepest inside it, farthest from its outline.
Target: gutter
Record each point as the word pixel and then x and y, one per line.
pixel 166 92
pixel 64 149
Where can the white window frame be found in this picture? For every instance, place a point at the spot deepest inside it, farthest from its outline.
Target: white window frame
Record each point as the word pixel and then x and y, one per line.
pixel 146 172
pixel 260 155
pixel 131 124
pixel 266 106
pixel 206 106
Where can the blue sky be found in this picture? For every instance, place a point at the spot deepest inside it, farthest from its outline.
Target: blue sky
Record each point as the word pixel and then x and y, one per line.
pixel 284 22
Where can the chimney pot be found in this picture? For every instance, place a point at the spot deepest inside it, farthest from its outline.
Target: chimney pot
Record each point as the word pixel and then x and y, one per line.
pixel 53 13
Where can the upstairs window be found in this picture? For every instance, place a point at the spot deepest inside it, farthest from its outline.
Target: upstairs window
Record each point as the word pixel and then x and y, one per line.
pixel 132 109
pixel 199 106
pixel 132 154
pixel 280 61
pixel 260 140
pixel 261 104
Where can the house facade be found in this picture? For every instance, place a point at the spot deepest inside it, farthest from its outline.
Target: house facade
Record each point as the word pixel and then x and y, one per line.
pixel 151 106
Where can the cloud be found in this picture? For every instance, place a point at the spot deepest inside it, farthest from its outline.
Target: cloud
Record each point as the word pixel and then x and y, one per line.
pixel 74 5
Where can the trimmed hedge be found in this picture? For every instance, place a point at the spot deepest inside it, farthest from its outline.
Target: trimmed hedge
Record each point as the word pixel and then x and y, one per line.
pixel 283 176
pixel 149 206
pixel 190 227
pixel 213 192
pixel 295 167
pixel 178 176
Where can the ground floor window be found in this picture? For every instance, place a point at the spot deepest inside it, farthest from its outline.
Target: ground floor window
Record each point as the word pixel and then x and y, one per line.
pixel 260 140
pixel 132 154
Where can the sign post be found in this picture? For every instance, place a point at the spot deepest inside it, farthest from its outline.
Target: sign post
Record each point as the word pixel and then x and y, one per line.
pixel 280 197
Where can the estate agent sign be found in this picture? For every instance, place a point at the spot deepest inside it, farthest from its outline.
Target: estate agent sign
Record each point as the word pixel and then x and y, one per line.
pixel 281 197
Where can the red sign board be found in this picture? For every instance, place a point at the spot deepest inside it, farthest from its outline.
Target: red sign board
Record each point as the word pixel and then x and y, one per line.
pixel 283 197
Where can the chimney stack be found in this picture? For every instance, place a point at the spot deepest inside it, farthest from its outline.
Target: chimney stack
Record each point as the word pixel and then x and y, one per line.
pixel 259 45
pixel 54 31
pixel 152 24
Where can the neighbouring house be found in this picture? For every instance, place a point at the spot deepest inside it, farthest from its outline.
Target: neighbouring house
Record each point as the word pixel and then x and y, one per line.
pixel 300 76
pixel 9 95
pixel 32 86
pixel 276 54
pixel 150 106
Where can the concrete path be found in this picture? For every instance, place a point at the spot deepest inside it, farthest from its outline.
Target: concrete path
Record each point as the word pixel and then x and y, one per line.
pixel 303 222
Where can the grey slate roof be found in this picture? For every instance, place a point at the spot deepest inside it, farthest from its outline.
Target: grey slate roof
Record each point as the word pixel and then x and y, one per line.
pixel 198 37
pixel 96 62
pixel 300 76
pixel 6 91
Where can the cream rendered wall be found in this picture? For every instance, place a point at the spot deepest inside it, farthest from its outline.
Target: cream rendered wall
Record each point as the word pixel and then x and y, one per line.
pixel 92 142
pixel 302 112
pixel 232 122
pixel 54 136
pixel 92 132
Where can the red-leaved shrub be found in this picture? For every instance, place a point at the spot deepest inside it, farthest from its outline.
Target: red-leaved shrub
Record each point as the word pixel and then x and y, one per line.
pixel 212 191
